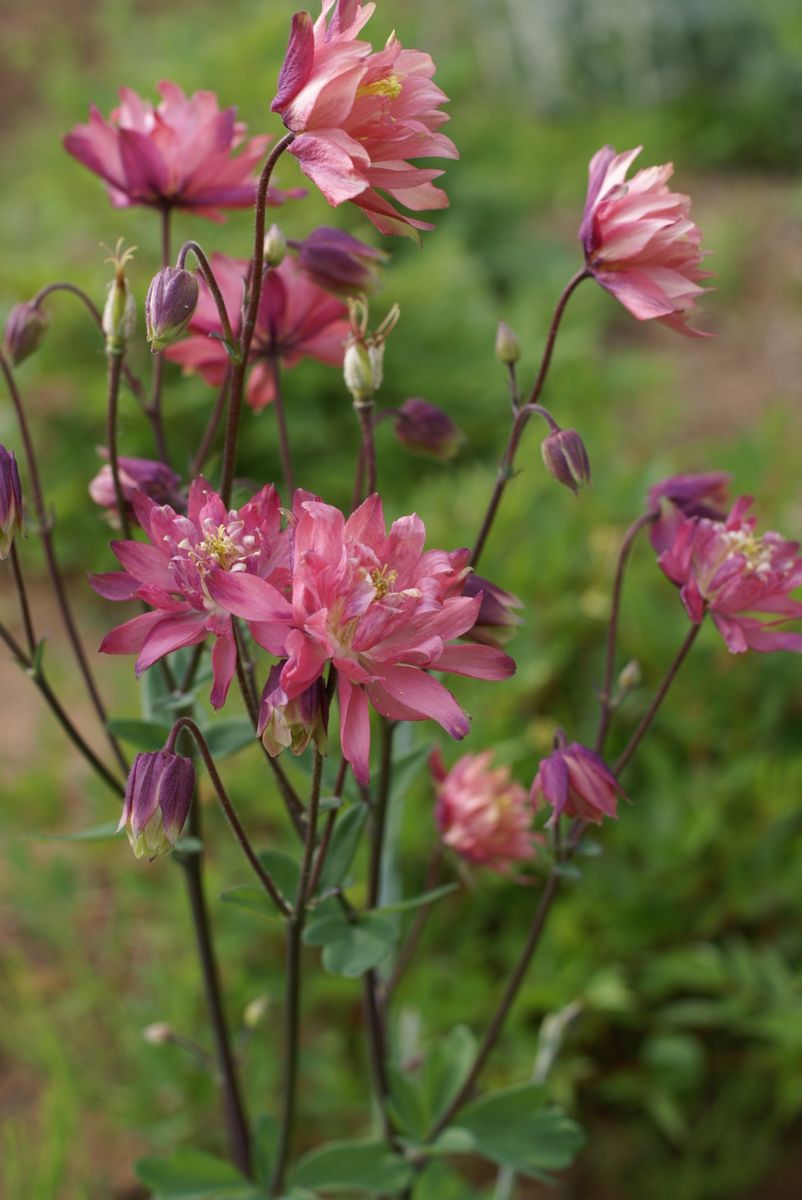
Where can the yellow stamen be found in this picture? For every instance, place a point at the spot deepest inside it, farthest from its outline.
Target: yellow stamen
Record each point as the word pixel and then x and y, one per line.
pixel 383 579
pixel 389 87
pixel 218 544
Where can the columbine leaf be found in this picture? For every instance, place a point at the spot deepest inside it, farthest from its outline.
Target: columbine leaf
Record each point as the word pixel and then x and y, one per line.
pixel 353 1166
pixel 264 1143
pixel 251 899
pixel 143 735
pixel 446 1069
pixel 344 845
pixel 226 737
pixel 418 901
pixel 284 871
pixel 98 833
pixel 193 1176
pixel 406 767
pixel 515 1128
pixel 351 947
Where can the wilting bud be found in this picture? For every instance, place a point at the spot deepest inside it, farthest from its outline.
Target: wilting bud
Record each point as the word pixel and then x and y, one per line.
pixel 292 724
pixel 10 501
pixel 339 262
pixel 275 246
pixel 158 796
pixel 171 300
pixel 25 329
pixel 497 621
pixel 566 458
pixel 256 1011
pixel 119 312
pixel 158 1034
pixel 155 479
pixel 425 427
pixel 508 348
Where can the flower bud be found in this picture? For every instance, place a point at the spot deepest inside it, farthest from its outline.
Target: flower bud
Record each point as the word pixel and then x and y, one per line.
pixel 508 348
pixel 119 312
pixel 155 479
pixel 10 501
pixel 292 724
pixel 25 329
pixel 566 458
pixel 630 676
pixel 158 1034
pixel 358 372
pixel 158 796
pixel 496 622
pixel 340 263
pixel 275 247
pixel 171 300
pixel 256 1011
pixel 577 783
pixel 363 364
pixel 424 427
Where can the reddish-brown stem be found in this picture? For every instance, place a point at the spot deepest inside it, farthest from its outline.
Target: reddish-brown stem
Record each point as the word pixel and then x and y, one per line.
pixel 331 820
pixel 153 409
pixel 115 362
pixel 22 597
pixel 368 454
pixel 210 279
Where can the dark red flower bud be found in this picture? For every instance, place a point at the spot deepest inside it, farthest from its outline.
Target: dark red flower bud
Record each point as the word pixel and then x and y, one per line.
pixel 169 305
pixel 158 796
pixel 424 427
pixel 10 501
pixel 497 621
pixel 566 458
pixel 25 329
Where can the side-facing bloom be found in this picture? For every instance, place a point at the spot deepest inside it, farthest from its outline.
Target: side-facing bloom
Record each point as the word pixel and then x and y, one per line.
pixel 382 610
pixel 703 495
pixel 340 263
pixel 191 569
pixel 739 577
pixel 424 427
pixel 158 796
pixel 481 812
pixel 639 240
pixel 496 620
pixel 10 501
pixel 575 782
pixel 292 724
pixel 155 479
pixel 296 320
pixel 176 154
pixel 360 116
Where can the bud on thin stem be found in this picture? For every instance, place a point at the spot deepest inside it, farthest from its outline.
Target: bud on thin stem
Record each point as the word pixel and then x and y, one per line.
pixel 25 329
pixel 119 312
pixel 566 458
pixel 170 303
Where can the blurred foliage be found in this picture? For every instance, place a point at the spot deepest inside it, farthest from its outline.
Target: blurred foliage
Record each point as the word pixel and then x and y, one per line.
pixel 681 944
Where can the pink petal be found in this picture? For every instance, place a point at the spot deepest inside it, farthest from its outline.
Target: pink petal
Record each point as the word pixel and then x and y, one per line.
pixel 355 729
pixel 224 664
pixel 168 634
pixel 130 637
pixel 427 697
pixel 475 661
pixel 248 596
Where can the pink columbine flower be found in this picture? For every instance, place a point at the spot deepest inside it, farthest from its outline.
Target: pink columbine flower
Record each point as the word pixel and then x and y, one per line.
pixel 195 571
pixel 703 495
pixel 178 154
pixel 575 782
pixel 155 479
pixel 481 813
pixel 296 319
pixel 381 609
pixel 360 116
pixel 726 569
pixel 639 241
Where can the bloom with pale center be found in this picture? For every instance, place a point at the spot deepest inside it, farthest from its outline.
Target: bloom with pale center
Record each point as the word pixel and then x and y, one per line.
pixel 639 240
pixel 191 570
pixel 482 814
pixel 359 116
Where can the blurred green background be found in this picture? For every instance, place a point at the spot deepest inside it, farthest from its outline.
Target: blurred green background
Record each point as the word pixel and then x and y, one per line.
pixel 682 943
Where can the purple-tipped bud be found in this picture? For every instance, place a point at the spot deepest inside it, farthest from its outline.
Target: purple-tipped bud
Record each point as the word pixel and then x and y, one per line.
pixel 566 458
pixel 155 479
pixel 575 782
pixel 10 501
pixel 340 263
pixel 497 620
pixel 170 303
pixel 275 246
pixel 25 329
pixel 702 495
pixel 508 348
pixel 158 796
pixel 292 724
pixel 424 427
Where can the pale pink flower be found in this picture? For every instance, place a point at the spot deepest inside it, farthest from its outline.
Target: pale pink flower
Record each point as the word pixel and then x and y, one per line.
pixel 482 814
pixel 639 241
pixel 381 609
pixel 195 571
pixel 296 319
pixel 726 569
pixel 575 782
pixel 178 154
pixel 360 116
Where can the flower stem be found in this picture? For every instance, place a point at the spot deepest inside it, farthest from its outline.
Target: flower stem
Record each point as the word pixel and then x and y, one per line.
pixel 115 362
pixel 153 409
pixel 210 279
pixel 364 411
pixel 22 596
pixel 249 323
pixel 522 415
pixel 281 424
pixel 46 534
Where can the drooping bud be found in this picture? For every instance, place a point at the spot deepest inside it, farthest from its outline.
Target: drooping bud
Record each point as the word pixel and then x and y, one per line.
pixel 566 458
pixel 275 247
pixel 577 783
pixel 158 796
pixel 425 427
pixel 340 263
pixel 119 312
pixel 155 479
pixel 10 501
pixel 169 305
pixel 497 621
pixel 292 724
pixel 508 348
pixel 26 327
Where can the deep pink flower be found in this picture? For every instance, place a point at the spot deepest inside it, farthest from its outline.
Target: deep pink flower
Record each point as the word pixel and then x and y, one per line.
pixel 481 813
pixel 575 781
pixel 177 154
pixel 155 479
pixel 702 495
pixel 360 116
pixel 639 241
pixel 381 609
pixel 296 319
pixel 196 571
pixel 726 569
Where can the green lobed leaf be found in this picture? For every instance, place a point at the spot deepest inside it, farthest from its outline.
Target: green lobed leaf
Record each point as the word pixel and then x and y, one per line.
pixel 195 1176
pixel 406 767
pixel 515 1128
pixel 407 1107
pixel 264 1143
pixel 351 947
pixel 144 735
pixel 225 737
pixel 98 833
pixel 284 871
pixel 446 1069
pixel 353 1166
pixel 343 846
pixel 251 899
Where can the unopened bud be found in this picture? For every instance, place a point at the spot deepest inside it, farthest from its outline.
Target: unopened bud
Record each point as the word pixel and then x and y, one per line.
pixel 157 1034
pixel 255 1012
pixel 171 300
pixel 10 501
pixel 275 246
pixel 425 427
pixel 158 796
pixel 292 724
pixel 496 621
pixel 508 348
pixel 25 329
pixel 358 372
pixel 566 458
pixel 630 676
pixel 119 312
pixel 363 364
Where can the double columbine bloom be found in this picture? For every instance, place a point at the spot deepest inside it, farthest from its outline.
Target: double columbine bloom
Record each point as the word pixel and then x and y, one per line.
pixel 359 116
pixel 482 814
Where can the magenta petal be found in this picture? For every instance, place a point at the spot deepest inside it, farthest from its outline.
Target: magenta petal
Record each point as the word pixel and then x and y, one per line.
pixel 168 634
pixel 130 637
pixel 146 174
pixel 146 563
pixel 248 596
pixel 114 585
pixel 298 61
pixel 475 661
pixel 224 664
pixel 355 729
pixel 553 775
pixel 426 696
